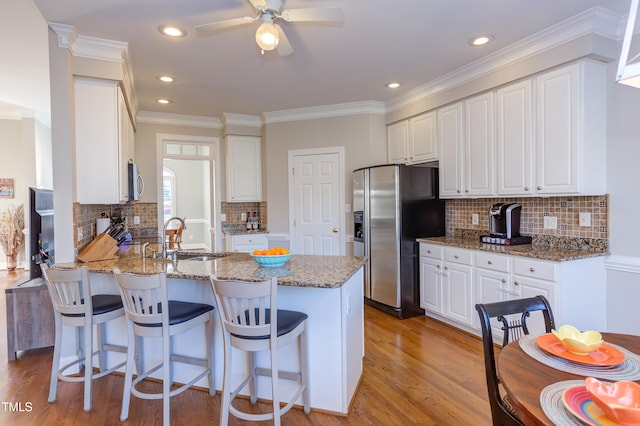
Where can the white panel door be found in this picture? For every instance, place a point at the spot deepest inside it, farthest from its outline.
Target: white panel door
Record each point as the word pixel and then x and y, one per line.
pixel 316 188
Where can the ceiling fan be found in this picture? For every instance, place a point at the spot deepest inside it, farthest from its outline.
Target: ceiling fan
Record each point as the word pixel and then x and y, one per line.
pixel 269 35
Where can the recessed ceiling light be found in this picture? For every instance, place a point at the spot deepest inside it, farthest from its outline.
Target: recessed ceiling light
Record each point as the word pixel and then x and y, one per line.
pixel 163 101
pixel 480 40
pixel 172 31
pixel 166 79
pixel 393 85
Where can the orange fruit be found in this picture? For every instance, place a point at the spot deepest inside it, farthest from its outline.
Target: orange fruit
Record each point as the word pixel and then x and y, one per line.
pixel 256 252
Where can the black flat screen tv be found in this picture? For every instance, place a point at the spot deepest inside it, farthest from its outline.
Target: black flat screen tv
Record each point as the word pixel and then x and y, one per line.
pixel 41 241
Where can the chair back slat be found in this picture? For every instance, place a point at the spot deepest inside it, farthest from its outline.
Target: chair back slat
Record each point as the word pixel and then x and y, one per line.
pixel 142 295
pixel 67 288
pixel 243 306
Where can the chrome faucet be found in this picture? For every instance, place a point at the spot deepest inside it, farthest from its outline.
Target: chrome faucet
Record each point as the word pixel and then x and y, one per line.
pixel 164 233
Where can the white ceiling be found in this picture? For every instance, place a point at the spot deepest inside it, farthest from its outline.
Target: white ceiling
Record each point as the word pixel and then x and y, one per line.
pixel 414 41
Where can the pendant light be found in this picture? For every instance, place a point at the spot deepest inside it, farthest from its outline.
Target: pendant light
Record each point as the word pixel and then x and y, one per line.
pixel 628 70
pixel 267 35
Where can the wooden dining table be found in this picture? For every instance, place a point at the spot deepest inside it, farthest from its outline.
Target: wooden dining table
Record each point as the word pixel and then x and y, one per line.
pixel 523 377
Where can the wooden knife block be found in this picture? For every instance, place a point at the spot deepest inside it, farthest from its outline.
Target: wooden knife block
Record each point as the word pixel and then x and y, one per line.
pixel 102 247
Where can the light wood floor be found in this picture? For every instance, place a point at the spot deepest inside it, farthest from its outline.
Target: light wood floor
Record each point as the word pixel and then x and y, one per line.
pixel 417 371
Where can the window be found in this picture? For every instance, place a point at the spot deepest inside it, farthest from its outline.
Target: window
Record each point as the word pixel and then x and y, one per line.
pixel 168 193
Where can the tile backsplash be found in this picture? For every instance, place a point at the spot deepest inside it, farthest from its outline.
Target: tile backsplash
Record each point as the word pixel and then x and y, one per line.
pixel 234 214
pixel 566 209
pixel 85 215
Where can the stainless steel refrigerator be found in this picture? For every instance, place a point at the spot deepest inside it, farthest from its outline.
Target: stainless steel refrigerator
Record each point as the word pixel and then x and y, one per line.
pixel 393 206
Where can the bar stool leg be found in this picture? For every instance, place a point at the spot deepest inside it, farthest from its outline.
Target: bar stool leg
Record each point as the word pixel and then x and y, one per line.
pixel 166 379
pixel 274 386
pixel 132 348
pixel 304 369
pixel 208 329
pixel 55 365
pixel 88 364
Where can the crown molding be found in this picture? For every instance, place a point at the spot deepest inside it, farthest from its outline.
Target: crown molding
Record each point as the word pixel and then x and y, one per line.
pixel 230 119
pixel 327 111
pixel 596 20
pixel 178 120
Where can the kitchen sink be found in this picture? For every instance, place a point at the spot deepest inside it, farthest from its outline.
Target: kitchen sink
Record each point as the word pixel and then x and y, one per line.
pixel 199 257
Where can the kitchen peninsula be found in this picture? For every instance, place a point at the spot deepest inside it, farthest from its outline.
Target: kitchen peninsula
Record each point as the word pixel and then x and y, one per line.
pixel 329 289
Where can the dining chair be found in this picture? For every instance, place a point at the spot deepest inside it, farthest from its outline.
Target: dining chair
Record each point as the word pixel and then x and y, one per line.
pixel 252 323
pixel 74 305
pixel 150 314
pixel 513 314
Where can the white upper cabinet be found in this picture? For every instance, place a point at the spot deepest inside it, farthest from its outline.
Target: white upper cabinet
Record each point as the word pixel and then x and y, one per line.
pixel 104 142
pixel 547 138
pixel 397 142
pixel 450 141
pixel 478 157
pixel 570 130
pixel 413 141
pixel 514 116
pixel 244 169
pixel 423 144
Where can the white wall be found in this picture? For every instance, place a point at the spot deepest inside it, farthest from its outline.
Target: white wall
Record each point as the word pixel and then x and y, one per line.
pixel 363 136
pixel 623 183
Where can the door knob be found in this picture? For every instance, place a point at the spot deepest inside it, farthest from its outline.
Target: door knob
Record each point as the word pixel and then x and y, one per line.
pixel 335 230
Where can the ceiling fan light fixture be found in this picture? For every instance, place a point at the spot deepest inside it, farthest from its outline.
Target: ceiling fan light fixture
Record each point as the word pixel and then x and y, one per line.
pixel 267 36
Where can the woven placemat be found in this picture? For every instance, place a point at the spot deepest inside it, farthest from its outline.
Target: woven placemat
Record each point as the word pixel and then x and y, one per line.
pixel 553 407
pixel 628 370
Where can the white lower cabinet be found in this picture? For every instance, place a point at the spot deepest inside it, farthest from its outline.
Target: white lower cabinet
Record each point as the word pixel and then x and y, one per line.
pixel 575 289
pixel 246 243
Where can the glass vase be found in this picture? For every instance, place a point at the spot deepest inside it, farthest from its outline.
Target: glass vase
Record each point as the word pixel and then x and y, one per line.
pixel 12 262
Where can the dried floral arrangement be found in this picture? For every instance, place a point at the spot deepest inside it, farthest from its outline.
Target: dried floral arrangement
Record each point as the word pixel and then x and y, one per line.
pixel 11 227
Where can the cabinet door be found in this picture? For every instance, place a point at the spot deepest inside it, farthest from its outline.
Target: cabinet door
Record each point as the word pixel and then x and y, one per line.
pixel 244 169
pixel 431 284
pixel 458 300
pixel 514 171
pixel 557 131
pixel 125 146
pixel 479 144
pixel 490 286
pixel 397 142
pixel 97 142
pixel 529 287
pixel 422 138
pixel 450 139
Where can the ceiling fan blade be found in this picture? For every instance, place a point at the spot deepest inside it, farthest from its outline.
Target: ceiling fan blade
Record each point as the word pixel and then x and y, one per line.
pixel 259 4
pixel 284 47
pixel 328 14
pixel 215 26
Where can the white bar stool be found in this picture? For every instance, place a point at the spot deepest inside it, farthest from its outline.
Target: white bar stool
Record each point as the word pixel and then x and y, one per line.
pixel 75 306
pixel 150 314
pixel 249 325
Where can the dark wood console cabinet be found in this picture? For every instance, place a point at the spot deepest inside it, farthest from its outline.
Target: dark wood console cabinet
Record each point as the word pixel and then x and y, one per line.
pixel 30 323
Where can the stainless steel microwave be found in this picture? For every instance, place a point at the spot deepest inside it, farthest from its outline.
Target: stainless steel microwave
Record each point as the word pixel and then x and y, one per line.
pixel 136 183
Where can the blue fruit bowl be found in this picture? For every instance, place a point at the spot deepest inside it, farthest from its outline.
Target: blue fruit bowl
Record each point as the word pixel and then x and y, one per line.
pixel 272 261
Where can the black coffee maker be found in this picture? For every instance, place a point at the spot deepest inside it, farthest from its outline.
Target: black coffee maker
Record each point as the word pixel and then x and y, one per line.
pixel 504 220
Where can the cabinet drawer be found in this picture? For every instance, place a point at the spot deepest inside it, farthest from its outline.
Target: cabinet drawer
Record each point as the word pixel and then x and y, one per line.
pixel 250 239
pixel 492 261
pixel 458 255
pixel 431 250
pixel 535 268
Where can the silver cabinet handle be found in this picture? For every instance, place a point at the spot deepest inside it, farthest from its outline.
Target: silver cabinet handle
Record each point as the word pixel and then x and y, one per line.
pixel 455 256
pixel 539 188
pixel 458 191
pixel 503 281
pixel 437 266
pixel 526 188
pixel 516 283
pixel 532 269
pixel 489 262
pixel 429 251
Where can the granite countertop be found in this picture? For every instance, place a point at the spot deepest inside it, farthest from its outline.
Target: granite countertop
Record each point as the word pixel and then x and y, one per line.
pixel 245 232
pixel 300 270
pixel 524 250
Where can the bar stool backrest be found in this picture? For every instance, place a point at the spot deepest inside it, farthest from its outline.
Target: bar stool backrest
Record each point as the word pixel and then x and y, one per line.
pixel 143 297
pixel 69 290
pixel 244 307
